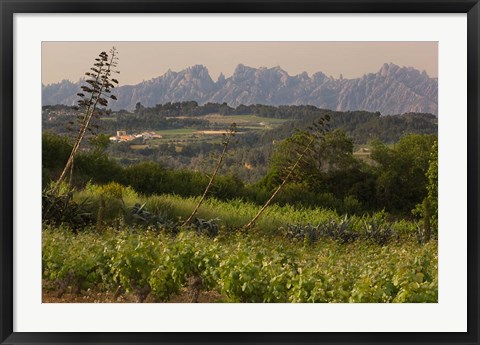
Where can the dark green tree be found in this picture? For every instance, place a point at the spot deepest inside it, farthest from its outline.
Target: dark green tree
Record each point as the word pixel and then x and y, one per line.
pixel 305 144
pixel 401 182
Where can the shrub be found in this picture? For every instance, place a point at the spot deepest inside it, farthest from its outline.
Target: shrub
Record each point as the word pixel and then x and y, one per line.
pixel 133 260
pixel 351 205
pixel 76 261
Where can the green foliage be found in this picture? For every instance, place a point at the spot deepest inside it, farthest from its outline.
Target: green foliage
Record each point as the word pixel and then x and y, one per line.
pixel 432 186
pixel 417 278
pixel 55 150
pixel 99 143
pixel 150 178
pixel 361 126
pixel 227 187
pixel 334 151
pixel 133 260
pixel 401 181
pixel 140 216
pixel 78 261
pixel 340 230
pixel 346 230
pixel 297 194
pixel 110 205
pixel 89 165
pixel 205 227
pixel 428 208
pixel 243 268
pixel 168 210
pixel 184 256
pixel 351 205
pixel 333 179
pixel 379 231
pixel 60 208
pixel 304 233
pixel 96 166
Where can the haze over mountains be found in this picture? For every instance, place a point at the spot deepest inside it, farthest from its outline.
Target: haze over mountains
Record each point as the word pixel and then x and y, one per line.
pixel 391 90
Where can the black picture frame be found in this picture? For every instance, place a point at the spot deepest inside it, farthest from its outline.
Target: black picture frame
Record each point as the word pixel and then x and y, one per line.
pixel 9 7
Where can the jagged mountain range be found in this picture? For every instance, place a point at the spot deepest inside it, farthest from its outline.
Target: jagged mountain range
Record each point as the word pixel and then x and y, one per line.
pixel 391 90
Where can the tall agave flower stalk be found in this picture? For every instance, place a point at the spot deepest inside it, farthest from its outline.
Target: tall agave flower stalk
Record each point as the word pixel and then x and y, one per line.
pixel 227 138
pixel 316 134
pixel 94 95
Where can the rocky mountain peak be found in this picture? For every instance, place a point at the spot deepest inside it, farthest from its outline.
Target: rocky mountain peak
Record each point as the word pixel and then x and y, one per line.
pixel 387 69
pixel 392 90
pixel 199 71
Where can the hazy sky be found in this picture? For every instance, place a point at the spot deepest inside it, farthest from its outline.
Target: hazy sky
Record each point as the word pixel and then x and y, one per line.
pixel 140 61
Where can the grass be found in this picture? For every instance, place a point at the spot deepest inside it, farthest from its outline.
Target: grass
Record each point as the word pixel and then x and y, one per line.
pixel 233 214
pixel 191 134
pixel 241 119
pixel 244 123
pixel 168 133
pixel 109 118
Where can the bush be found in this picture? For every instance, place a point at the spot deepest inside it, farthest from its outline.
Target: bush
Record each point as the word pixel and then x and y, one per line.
pixel 351 205
pixel 296 194
pixel 227 187
pixel 55 151
pixel 328 201
pixel 76 261
pixel 146 178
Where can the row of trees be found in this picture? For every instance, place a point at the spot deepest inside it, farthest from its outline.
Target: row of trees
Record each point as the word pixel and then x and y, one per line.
pixel 361 126
pixel 395 180
pixel 329 176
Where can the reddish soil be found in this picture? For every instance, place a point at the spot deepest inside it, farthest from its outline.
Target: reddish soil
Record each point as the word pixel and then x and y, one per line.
pixel 91 296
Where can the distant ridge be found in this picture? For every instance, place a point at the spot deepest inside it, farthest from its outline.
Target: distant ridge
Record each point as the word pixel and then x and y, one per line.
pixel 391 90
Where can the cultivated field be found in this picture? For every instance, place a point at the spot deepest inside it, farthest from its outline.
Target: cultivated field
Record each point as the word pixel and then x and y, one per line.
pixel 137 250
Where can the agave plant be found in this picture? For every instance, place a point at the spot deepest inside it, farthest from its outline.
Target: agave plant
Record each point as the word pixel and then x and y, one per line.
pixel 140 216
pixel 61 209
pixel 205 227
pixel 339 230
pixel 378 231
pixel 307 233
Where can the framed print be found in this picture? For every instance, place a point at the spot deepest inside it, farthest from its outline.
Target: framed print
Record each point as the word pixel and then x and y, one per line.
pixel 239 172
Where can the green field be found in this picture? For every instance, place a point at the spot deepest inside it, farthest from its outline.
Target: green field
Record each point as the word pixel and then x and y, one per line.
pixel 242 120
pixel 175 133
pixel 190 134
pixel 246 268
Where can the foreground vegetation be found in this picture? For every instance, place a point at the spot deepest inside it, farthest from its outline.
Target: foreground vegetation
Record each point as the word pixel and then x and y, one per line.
pixel 241 268
pixel 293 254
pixel 308 223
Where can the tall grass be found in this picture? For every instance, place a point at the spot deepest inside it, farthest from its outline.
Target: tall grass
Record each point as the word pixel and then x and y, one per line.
pixel 232 214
